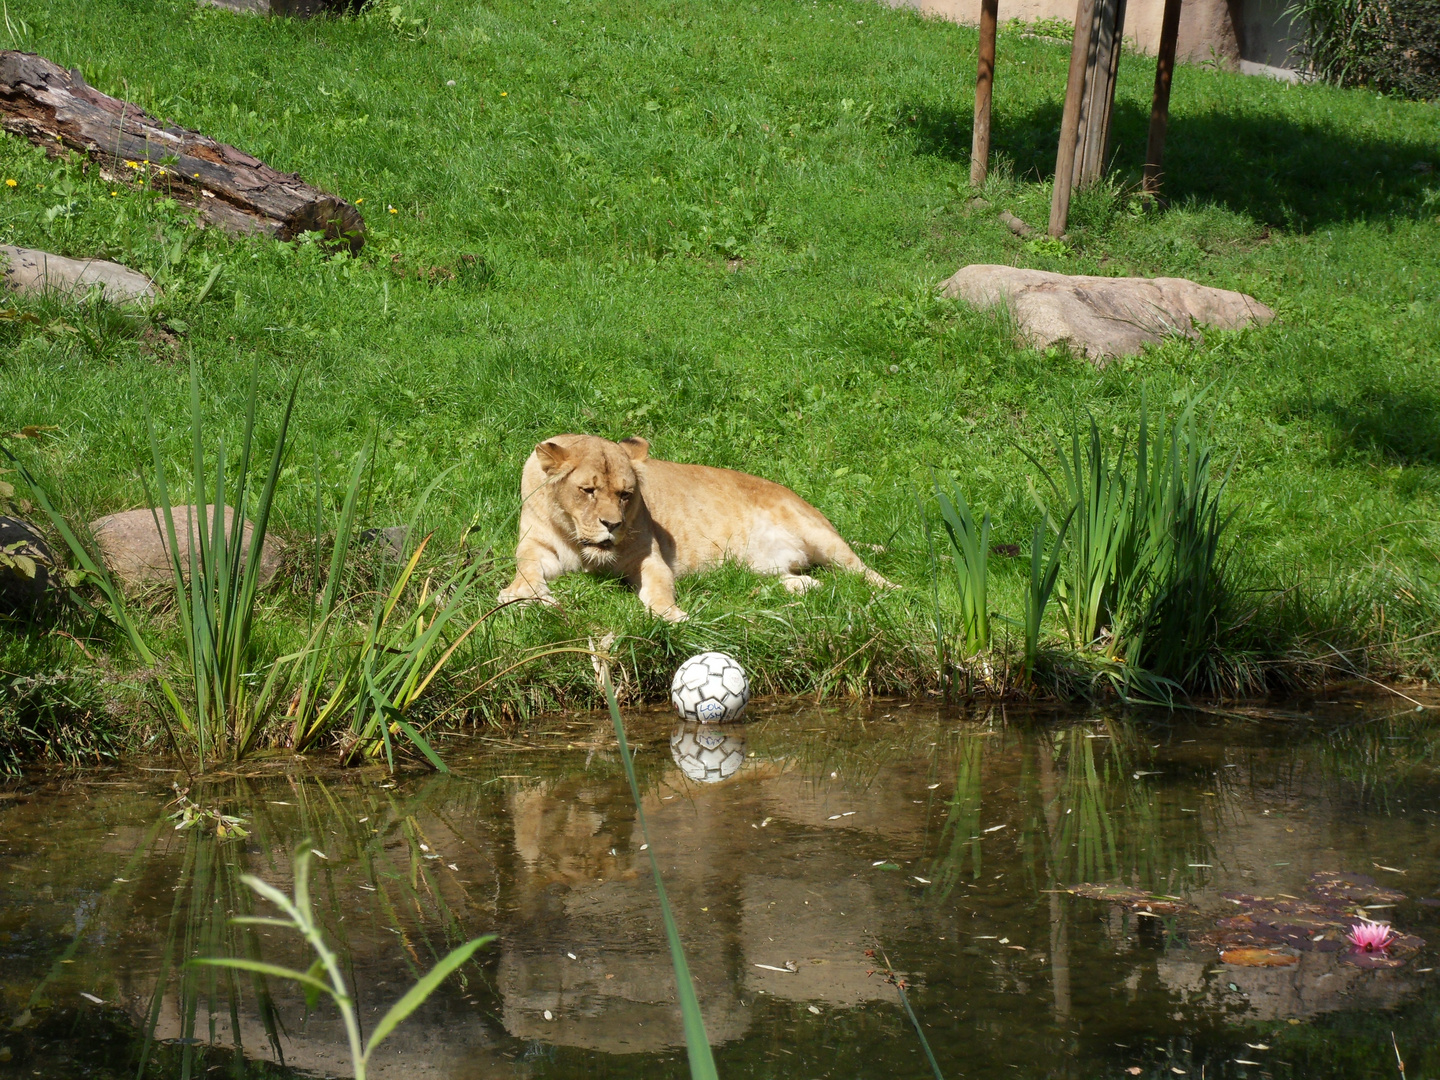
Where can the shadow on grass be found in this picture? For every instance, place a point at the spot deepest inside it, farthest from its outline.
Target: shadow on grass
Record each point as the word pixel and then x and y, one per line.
pixel 1297 175
pixel 1398 426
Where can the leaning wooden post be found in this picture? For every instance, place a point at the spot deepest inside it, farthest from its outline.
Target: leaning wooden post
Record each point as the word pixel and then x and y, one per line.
pixel 984 84
pixel 1070 119
pixel 1160 104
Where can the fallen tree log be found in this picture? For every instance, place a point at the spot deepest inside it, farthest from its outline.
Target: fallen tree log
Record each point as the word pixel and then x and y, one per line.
pixel 56 109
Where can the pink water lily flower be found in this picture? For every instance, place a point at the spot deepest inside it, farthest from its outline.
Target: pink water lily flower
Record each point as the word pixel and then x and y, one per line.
pixel 1369 936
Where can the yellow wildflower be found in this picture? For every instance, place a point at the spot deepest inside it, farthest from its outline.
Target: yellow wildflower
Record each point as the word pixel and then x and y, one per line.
pixel 359 201
pixel 9 183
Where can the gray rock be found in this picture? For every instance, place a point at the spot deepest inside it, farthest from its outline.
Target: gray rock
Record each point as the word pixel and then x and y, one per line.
pixel 389 541
pixel 31 272
pixel 135 548
pixel 1100 316
pixel 25 567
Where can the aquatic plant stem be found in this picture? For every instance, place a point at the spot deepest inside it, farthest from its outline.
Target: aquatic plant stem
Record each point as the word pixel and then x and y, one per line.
pixel 914 1020
pixel 697 1043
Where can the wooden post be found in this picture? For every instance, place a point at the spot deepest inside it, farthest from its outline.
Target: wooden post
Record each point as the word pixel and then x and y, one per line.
pixel 1099 99
pixel 984 84
pixel 1070 118
pixel 1160 104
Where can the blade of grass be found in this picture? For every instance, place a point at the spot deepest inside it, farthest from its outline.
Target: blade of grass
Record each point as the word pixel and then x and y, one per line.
pixel 697 1043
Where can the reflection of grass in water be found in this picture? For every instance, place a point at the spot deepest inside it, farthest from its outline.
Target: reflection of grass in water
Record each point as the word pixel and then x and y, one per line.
pixel 409 894
pixel 1101 821
pixel 207 894
pixel 962 823
pixel 1371 763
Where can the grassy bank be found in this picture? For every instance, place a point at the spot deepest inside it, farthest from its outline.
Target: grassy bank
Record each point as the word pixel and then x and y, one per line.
pixel 720 226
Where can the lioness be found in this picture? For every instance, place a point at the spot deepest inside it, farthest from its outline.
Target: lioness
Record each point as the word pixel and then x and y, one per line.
pixel 592 504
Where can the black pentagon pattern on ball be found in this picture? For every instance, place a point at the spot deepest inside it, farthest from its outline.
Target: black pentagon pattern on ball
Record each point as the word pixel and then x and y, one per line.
pixel 711 688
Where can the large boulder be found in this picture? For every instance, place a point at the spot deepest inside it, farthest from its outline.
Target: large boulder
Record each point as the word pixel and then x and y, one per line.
pixel 135 548
pixel 26 567
pixel 1100 316
pixel 31 272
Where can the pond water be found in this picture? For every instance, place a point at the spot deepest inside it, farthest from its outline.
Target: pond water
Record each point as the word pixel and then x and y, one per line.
pixel 806 854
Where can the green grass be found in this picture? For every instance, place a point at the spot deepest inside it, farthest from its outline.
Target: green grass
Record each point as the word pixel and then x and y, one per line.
pixel 720 226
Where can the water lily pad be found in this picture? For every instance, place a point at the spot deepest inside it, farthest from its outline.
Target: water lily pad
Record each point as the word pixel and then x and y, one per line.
pixel 1134 899
pixel 1372 960
pixel 1252 957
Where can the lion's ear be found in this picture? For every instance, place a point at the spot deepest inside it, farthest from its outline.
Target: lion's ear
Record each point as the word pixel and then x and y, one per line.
pixel 552 456
pixel 636 447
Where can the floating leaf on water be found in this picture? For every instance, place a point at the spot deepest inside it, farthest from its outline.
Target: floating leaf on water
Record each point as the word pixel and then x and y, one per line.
pixel 923 881
pixel 886 866
pixel 772 967
pixel 813 1009
pixel 1372 960
pixel 1134 1070
pixel 1134 899
pixel 1242 1061
pixel 572 956
pixel 319 854
pixel 1391 869
pixel 1253 957
pixel 995 828
pixel 92 998
pixel 549 1015
pixel 1258 1046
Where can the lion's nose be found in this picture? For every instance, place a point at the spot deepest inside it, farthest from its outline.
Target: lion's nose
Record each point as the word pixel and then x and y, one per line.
pixel 610 525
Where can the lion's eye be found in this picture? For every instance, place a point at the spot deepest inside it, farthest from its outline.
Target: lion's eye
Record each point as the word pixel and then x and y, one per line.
pixel 588 491
pixel 624 496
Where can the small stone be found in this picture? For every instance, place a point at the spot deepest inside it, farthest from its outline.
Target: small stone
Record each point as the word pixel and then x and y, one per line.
pixel 34 273
pixel 389 541
pixel 135 548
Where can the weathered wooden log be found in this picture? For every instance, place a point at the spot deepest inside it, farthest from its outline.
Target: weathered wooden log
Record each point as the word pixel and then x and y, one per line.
pixel 56 109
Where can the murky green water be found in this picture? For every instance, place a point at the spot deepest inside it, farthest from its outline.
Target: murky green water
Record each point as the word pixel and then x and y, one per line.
pixel 811 839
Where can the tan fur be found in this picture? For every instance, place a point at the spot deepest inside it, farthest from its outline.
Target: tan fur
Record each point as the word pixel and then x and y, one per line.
pixel 605 507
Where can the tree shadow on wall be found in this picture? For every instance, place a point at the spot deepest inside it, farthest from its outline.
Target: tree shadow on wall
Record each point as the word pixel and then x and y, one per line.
pixel 1300 176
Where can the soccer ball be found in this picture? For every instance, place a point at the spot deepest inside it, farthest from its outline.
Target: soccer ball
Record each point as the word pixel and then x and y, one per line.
pixel 707 753
pixel 711 688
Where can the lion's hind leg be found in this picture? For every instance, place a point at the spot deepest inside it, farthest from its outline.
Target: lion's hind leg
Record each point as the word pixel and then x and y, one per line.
pixel 830 549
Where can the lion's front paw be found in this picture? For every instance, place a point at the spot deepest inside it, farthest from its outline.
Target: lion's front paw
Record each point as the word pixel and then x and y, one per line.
pixel 519 599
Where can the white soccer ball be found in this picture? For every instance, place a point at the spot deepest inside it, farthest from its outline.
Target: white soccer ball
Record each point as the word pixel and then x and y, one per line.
pixel 707 753
pixel 711 688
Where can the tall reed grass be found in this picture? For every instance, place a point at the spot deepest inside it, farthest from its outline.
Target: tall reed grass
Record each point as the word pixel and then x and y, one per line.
pixel 1130 545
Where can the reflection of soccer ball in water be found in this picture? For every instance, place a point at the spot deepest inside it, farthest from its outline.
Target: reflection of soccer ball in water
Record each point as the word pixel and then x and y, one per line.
pixel 711 688
pixel 708 753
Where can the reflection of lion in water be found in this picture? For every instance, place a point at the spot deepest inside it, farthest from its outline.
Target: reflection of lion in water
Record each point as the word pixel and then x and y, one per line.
pixel 592 504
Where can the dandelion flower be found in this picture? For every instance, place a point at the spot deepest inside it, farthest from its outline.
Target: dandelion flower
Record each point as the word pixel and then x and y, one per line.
pixel 9 183
pixel 114 193
pixel 1370 937
pixel 504 93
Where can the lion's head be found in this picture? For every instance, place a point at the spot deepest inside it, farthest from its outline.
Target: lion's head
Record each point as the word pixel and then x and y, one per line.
pixel 596 490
